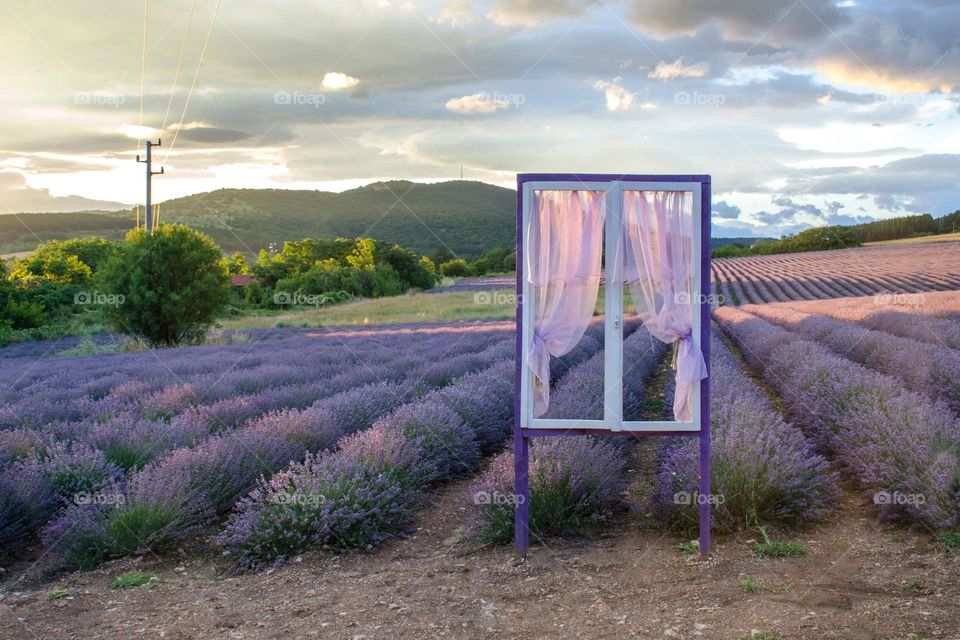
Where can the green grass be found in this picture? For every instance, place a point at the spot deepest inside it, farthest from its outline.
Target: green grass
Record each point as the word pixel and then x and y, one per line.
pixel 413 307
pixel 59 594
pixel 764 635
pixel 949 542
pixel 777 548
pixel 131 580
pixel 749 585
pixel 688 548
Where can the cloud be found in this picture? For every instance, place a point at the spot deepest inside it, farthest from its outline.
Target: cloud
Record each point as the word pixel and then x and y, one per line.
pixel 532 13
pixel 679 69
pixel 727 211
pixel 456 13
pixel 477 103
pixel 335 81
pixel 17 196
pixel 771 20
pixel 617 98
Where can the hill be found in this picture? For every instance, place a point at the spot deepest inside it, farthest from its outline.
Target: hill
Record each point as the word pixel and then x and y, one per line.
pixel 465 216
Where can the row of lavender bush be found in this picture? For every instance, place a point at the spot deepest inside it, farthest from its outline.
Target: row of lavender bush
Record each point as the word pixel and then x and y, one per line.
pixel 576 482
pixel 764 472
pixel 932 317
pixel 921 366
pixel 166 383
pixel 189 485
pixel 901 446
pixel 367 488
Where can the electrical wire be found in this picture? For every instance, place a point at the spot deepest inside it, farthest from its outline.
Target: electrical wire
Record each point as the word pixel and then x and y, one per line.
pixel 196 75
pixel 176 76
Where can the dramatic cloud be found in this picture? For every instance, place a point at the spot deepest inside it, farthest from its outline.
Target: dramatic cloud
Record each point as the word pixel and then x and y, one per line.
pixel 803 112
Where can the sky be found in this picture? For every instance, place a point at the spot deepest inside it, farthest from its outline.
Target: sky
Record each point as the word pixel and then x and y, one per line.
pixel 805 113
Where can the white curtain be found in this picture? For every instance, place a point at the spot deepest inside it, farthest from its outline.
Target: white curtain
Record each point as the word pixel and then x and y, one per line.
pixel 659 265
pixel 564 244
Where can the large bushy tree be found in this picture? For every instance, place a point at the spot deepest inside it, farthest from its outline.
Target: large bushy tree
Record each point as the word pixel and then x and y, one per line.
pixel 173 283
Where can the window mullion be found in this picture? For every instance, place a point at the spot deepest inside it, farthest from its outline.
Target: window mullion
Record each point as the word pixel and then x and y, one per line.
pixel 613 311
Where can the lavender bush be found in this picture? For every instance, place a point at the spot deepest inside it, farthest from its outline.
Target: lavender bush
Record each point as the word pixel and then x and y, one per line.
pixel 575 485
pixel 764 472
pixel 921 366
pixel 353 499
pixel 484 401
pixel 441 435
pixel 903 447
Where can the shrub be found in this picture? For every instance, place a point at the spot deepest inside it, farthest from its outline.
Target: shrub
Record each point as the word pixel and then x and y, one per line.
pixel 440 433
pixel 174 281
pixel 26 501
pixel 484 401
pixel 897 443
pixel 456 268
pixel 765 470
pixel 575 484
pixel 355 498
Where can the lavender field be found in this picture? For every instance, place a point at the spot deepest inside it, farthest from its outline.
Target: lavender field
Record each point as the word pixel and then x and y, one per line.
pixel 285 441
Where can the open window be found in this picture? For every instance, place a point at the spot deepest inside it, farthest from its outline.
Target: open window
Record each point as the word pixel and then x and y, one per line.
pixel 600 258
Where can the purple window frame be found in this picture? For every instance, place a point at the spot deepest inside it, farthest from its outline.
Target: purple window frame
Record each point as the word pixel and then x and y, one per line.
pixel 521 436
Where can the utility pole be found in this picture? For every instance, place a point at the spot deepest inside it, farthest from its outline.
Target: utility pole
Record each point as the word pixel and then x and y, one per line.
pixel 150 173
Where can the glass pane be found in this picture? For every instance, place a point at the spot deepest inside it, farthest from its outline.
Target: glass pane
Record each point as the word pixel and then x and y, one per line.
pixel 658 266
pixel 564 241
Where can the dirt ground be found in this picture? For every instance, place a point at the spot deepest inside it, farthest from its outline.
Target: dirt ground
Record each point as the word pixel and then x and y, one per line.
pixel 859 580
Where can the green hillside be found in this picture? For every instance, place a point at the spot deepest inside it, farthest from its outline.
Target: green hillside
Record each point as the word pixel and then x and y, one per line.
pixel 465 216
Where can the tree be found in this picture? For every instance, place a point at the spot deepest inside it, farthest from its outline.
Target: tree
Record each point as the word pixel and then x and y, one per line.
pixel 440 255
pixel 237 264
pixel 173 283
pixel 457 268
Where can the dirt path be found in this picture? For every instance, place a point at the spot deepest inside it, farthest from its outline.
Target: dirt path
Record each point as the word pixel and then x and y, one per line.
pixel 860 580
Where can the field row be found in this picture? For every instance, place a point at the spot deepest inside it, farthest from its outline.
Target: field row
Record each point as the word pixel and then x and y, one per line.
pixel 864 271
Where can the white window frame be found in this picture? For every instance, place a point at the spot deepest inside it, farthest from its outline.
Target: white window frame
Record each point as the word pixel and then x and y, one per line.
pixel 613 311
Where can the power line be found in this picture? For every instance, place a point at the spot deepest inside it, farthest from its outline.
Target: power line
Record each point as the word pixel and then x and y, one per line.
pixel 196 74
pixel 176 76
pixel 143 66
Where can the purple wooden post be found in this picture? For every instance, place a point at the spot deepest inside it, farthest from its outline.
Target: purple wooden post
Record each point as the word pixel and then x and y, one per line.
pixel 521 480
pixel 706 289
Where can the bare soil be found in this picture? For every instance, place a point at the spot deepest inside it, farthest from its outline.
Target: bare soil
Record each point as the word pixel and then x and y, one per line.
pixel 859 580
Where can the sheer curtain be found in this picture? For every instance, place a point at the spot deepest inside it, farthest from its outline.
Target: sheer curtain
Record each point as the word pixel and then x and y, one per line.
pixel 563 250
pixel 659 262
